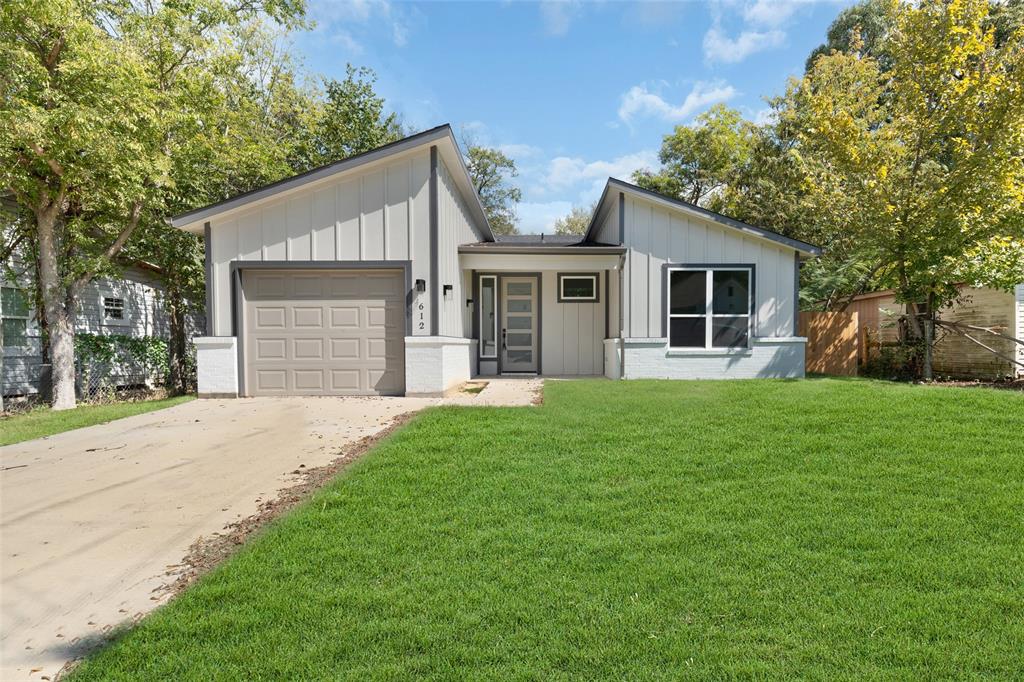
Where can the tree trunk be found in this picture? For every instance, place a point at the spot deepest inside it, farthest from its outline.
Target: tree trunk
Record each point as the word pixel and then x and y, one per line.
pixel 58 308
pixel 178 347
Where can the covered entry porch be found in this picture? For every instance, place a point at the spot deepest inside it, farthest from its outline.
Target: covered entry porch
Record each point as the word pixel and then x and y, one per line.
pixel 537 312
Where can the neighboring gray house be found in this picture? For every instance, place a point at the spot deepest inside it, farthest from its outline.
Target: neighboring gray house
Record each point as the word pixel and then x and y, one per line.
pixel 131 306
pixel 380 275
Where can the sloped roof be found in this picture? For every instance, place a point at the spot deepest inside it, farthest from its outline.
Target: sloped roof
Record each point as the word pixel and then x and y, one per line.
pixel 606 203
pixel 442 136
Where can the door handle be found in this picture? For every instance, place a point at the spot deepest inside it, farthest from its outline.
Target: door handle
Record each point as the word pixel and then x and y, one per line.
pixel 504 346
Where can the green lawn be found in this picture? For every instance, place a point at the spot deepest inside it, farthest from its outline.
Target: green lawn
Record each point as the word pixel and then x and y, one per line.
pixel 636 530
pixel 46 422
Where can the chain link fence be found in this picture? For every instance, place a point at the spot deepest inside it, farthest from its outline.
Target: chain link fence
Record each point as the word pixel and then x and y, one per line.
pixel 125 369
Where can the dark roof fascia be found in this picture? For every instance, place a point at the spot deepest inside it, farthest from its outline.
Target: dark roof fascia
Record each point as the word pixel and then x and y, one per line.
pixel 719 218
pixel 595 219
pixel 283 185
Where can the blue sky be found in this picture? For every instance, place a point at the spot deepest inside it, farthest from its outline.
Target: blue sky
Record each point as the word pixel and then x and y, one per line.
pixel 573 91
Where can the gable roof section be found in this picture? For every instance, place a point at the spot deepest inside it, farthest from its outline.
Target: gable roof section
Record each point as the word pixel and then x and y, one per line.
pixel 442 136
pixel 605 204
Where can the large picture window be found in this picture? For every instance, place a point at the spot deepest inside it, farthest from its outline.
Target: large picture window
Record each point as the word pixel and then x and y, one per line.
pixel 709 307
pixel 488 317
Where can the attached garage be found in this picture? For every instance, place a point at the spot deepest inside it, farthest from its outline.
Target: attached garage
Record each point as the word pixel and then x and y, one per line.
pixel 323 331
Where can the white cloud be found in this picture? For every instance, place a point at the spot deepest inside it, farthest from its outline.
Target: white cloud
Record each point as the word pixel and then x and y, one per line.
pixel 771 12
pixel 339 18
pixel 565 172
pixel 639 101
pixel 719 47
pixel 345 39
pixel 519 151
pixel 557 15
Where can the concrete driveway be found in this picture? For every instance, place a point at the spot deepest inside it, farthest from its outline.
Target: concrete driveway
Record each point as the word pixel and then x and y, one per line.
pixel 91 520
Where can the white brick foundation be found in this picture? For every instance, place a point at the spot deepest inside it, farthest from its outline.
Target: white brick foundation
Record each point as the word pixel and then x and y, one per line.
pixel 435 364
pixel 217 366
pixel 766 358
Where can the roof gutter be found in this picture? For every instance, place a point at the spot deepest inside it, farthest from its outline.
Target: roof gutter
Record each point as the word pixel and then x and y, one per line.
pixel 556 250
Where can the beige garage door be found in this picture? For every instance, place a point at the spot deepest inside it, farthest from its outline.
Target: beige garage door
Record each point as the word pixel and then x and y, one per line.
pixel 324 332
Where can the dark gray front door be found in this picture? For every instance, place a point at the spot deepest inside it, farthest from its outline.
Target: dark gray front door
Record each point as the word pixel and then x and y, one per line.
pixel 519 324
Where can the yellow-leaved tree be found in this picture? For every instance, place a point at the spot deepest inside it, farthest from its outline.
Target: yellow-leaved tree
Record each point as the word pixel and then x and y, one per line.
pixel 921 164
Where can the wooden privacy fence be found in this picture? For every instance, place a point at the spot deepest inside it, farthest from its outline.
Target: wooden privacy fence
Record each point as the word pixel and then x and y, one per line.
pixel 832 343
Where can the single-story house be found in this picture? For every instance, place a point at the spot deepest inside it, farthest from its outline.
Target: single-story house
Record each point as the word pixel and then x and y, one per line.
pixel 379 274
pixel 131 306
pixel 878 316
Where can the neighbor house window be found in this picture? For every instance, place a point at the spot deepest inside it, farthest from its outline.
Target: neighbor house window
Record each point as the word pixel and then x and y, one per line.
pixel 113 310
pixel 709 307
pixel 488 317
pixel 577 288
pixel 14 314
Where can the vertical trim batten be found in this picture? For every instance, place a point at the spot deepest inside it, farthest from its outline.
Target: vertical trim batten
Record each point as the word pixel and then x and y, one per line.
pixel 435 266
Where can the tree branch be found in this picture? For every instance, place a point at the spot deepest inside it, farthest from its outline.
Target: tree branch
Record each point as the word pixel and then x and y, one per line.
pixel 117 245
pixel 53 165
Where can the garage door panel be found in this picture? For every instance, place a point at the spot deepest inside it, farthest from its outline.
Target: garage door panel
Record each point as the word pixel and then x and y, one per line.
pixel 307 317
pixel 384 381
pixel 347 317
pixel 383 286
pixel 308 286
pixel 309 380
pixel 308 349
pixel 345 380
pixel 271 349
pixel 344 349
pixel 324 332
pixel 270 317
pixel 269 286
pixel 271 380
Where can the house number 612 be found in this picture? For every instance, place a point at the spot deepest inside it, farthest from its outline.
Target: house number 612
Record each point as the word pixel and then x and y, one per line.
pixel 420 308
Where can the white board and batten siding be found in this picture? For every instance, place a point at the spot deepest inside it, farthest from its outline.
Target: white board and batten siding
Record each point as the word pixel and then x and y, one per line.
pixel 572 333
pixel 455 227
pixel 379 214
pixel 656 235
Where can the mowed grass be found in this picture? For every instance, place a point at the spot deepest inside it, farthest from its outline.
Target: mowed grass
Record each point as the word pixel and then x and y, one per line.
pixel 818 529
pixel 46 422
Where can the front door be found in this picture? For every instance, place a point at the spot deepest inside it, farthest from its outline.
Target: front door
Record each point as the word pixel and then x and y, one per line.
pixel 519 324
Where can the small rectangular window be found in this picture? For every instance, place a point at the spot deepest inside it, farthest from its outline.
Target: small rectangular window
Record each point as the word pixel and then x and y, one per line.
pixel 581 288
pixel 709 307
pixel 113 309
pixel 488 317
pixel 14 312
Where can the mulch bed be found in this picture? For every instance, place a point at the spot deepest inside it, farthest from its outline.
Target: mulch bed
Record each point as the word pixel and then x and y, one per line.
pixel 1014 385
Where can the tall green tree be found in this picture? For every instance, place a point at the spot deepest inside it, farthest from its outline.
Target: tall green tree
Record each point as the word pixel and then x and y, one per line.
pixel 864 29
pixel 492 173
pixel 699 162
pixel 921 165
pixel 577 221
pixel 94 107
pixel 348 118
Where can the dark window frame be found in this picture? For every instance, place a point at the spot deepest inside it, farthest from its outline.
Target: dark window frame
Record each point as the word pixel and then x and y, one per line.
pixel 709 315
pixel 594 276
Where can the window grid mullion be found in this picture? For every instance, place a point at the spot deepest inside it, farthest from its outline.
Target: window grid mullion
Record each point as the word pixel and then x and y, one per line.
pixel 709 295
